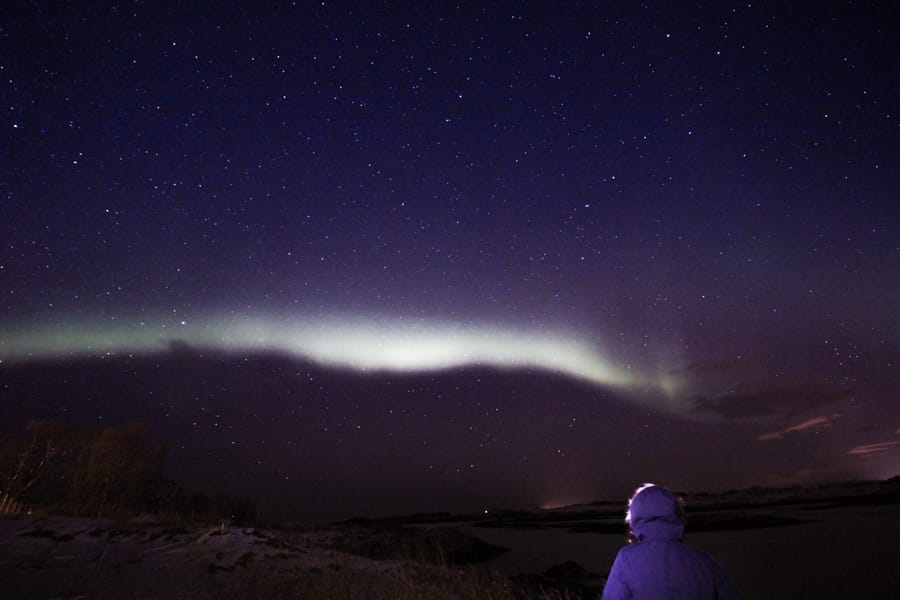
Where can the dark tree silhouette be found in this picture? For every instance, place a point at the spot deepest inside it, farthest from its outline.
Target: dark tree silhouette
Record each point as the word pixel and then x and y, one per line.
pixel 77 470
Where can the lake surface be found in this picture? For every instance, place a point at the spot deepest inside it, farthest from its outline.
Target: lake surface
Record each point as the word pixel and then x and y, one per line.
pixel 837 552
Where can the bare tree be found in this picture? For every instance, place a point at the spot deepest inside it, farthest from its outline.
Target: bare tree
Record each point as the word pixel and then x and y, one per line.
pixel 25 460
pixel 79 470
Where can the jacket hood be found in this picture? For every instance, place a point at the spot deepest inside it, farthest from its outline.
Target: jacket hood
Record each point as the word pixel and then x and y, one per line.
pixel 654 514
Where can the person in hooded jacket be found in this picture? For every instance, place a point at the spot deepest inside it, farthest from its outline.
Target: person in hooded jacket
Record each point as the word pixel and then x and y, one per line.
pixel 657 564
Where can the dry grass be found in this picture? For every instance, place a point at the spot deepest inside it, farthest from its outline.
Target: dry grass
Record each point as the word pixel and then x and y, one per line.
pixel 404 582
pixel 399 564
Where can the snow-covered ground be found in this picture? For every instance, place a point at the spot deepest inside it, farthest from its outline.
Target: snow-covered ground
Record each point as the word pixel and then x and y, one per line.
pixel 56 557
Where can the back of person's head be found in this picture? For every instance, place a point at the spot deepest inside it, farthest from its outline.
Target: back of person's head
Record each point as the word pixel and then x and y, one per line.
pixel 654 513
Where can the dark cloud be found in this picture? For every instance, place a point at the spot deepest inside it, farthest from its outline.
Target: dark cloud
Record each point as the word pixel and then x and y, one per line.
pixel 783 402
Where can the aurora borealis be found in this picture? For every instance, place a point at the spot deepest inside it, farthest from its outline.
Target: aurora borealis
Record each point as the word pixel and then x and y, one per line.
pixel 387 346
pixel 389 257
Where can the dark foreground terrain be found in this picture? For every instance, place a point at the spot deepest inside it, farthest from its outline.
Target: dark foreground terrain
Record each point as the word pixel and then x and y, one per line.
pixel 837 541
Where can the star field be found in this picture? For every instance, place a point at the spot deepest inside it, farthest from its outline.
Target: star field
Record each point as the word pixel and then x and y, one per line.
pixel 516 253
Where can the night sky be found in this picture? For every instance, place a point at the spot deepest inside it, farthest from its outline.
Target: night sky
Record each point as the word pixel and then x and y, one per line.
pixel 370 258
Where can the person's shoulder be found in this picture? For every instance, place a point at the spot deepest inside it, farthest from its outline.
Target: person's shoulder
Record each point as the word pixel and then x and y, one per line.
pixel 645 547
pixel 632 549
pixel 628 554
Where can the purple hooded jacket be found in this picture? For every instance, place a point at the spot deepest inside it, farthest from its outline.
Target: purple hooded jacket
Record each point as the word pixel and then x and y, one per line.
pixel 659 565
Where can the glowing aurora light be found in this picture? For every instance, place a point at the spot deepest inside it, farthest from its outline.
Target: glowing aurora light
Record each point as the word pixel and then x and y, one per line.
pixel 355 344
